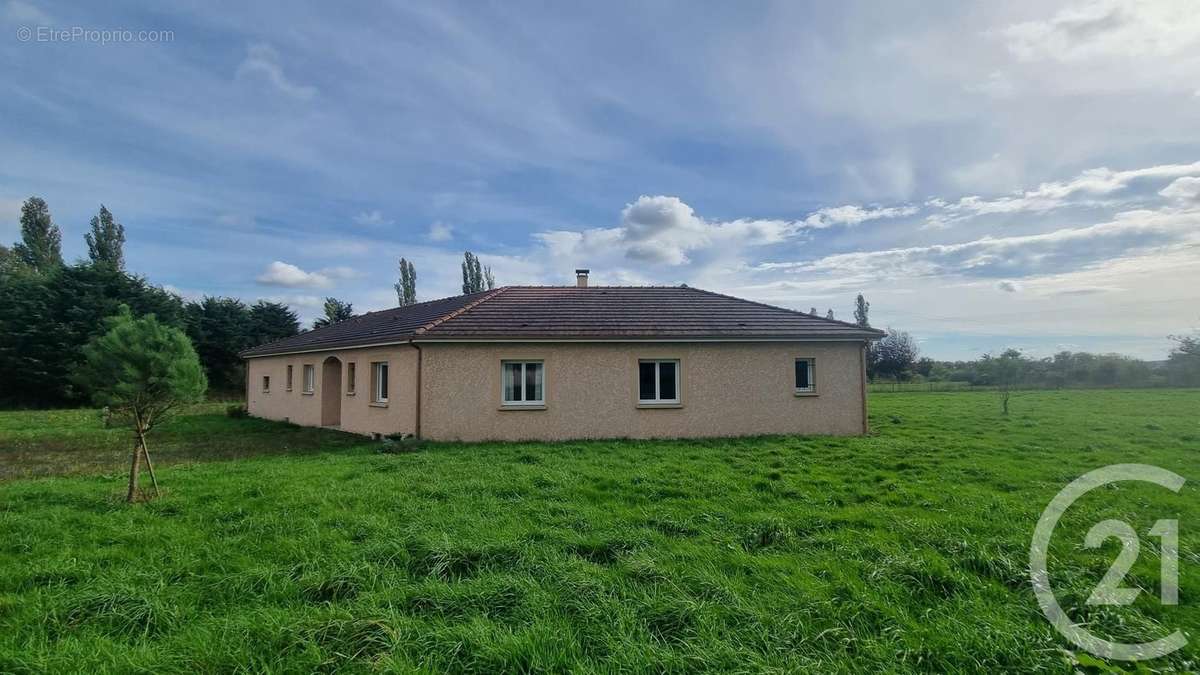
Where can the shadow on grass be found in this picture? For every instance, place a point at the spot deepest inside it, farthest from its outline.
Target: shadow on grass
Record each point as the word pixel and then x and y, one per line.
pixel 66 442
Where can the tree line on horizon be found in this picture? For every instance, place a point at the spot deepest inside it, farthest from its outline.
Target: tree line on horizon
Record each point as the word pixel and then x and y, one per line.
pixel 50 309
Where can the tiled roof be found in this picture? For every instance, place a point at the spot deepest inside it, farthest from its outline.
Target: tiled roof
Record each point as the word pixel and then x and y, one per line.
pixel 571 313
pixel 389 325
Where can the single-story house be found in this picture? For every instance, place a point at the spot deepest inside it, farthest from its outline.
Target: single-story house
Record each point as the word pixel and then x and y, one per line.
pixel 559 362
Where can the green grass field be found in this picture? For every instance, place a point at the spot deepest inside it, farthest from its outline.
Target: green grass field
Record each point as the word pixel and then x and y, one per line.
pixel 285 549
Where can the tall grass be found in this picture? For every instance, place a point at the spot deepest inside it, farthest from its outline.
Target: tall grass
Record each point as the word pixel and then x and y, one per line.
pixel 905 550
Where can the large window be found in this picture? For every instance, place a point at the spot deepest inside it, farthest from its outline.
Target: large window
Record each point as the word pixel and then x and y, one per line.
pixel 805 383
pixel 289 378
pixel 310 378
pixel 523 382
pixel 658 381
pixel 379 382
pixel 350 378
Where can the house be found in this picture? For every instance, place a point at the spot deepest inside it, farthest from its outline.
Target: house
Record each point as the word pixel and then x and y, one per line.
pixel 555 362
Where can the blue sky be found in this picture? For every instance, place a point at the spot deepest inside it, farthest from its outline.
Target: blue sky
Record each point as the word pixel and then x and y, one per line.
pixel 988 174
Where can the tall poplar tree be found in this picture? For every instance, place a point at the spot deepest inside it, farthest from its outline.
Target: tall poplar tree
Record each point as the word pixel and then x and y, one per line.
pixel 406 288
pixel 41 240
pixel 106 241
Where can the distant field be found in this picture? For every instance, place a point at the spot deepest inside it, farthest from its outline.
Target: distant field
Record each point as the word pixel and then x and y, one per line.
pixel 906 550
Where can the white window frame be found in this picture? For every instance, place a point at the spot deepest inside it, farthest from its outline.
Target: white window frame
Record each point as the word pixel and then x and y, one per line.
pixel 289 377
pixel 658 400
pixel 351 378
pixel 310 378
pixel 378 380
pixel 266 384
pixel 812 375
pixel 504 363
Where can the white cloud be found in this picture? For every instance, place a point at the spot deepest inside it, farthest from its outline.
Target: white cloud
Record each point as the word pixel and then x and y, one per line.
pixel 665 231
pixel 440 232
pixel 850 214
pixel 280 273
pixel 1129 233
pixel 263 61
pixel 1107 28
pixel 1092 183
pixel 1186 189
pixel 372 218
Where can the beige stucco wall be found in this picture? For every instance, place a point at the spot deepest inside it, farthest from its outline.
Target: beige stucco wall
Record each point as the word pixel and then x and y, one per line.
pixel 728 389
pixel 358 413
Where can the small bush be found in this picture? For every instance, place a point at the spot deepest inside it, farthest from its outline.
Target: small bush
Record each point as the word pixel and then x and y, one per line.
pixel 395 444
pixel 237 411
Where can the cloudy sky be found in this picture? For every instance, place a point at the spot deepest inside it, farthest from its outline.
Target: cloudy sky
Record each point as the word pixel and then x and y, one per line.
pixel 988 174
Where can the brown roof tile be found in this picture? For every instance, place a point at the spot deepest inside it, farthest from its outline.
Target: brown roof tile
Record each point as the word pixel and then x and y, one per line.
pixel 572 313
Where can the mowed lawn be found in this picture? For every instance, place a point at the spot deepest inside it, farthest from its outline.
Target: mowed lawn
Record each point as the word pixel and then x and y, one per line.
pixel 304 550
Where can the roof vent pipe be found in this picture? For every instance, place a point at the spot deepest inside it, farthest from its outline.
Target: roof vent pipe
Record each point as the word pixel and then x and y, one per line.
pixel 581 278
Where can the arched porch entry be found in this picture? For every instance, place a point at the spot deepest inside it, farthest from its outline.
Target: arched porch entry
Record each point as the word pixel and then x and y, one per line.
pixel 331 392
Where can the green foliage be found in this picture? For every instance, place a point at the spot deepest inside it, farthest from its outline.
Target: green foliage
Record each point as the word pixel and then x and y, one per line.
pixel 9 263
pixel 861 310
pixel 894 354
pixel 406 288
pixel 106 241
pixel 49 311
pixel 220 329
pixel 1064 369
pixel 1183 365
pixel 335 311
pixel 141 367
pixel 902 551
pixel 476 277
pixel 46 319
pixel 41 240
pixel 270 321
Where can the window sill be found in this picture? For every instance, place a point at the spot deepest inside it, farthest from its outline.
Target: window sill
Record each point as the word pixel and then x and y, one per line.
pixel 802 394
pixel 307 393
pixel 540 406
pixel 653 406
pixel 377 404
pixel 349 393
pixel 289 389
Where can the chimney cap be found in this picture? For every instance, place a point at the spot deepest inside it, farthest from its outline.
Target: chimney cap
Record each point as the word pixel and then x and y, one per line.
pixel 582 271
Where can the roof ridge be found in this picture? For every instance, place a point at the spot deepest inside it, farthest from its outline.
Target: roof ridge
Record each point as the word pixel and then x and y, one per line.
pixel 785 309
pixel 442 319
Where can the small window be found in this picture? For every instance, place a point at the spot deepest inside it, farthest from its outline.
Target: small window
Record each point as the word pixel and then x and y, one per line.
pixel 289 378
pixel 658 381
pixel 804 376
pixel 379 384
pixel 523 382
pixel 266 384
pixel 350 378
pixel 310 378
